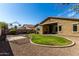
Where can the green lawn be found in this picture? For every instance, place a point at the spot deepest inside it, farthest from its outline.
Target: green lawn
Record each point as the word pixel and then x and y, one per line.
pixel 50 40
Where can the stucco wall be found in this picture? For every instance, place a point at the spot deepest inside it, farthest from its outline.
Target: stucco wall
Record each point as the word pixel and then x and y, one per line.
pixel 67 26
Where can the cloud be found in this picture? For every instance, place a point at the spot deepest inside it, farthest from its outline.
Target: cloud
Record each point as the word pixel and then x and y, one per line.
pixel 71 14
pixel 65 12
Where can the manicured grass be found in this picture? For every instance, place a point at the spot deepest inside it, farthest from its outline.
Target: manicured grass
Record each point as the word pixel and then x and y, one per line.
pixel 50 40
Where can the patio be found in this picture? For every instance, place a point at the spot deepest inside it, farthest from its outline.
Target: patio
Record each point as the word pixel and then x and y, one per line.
pixel 28 49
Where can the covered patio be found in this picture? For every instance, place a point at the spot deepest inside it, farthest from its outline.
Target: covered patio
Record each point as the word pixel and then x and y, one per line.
pixel 51 28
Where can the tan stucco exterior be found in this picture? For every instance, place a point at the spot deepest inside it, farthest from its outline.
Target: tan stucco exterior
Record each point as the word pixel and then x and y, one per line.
pixel 67 26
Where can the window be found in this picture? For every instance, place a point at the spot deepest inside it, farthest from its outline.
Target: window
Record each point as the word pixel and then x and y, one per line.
pixel 37 29
pixel 74 27
pixel 60 28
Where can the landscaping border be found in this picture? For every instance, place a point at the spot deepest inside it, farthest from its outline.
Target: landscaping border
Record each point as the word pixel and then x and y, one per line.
pixel 72 44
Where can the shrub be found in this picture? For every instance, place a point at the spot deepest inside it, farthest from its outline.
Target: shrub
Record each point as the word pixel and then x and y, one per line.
pixel 30 31
pixel 3 28
pixel 12 31
pixel 21 31
pixel 3 25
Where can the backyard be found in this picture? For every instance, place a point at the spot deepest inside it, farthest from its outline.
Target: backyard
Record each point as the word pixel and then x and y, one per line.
pixel 20 45
pixel 23 47
pixel 50 40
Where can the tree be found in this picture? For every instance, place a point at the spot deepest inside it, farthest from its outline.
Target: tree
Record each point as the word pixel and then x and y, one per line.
pixel 65 3
pixel 3 28
pixel 74 7
pixel 10 24
pixel 15 27
pixel 3 25
pixel 19 24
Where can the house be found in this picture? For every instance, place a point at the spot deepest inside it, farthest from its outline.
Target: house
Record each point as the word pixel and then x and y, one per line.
pixel 37 28
pixel 29 26
pixel 14 25
pixel 59 25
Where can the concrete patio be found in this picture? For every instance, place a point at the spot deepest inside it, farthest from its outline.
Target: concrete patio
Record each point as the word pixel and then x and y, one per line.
pixel 27 49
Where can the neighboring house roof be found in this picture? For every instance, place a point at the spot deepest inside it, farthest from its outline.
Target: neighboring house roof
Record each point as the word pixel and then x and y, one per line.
pixel 36 25
pixel 61 18
pixel 28 26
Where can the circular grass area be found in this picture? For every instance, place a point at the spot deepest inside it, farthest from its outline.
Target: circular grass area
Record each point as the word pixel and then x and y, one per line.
pixel 50 40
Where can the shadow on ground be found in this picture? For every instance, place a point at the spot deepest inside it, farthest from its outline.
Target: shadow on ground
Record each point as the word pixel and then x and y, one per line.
pixel 5 49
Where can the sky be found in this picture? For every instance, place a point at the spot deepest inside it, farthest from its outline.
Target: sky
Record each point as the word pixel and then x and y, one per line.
pixel 32 13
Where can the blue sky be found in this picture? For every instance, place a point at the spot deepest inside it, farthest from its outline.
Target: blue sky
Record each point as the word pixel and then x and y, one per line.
pixel 32 13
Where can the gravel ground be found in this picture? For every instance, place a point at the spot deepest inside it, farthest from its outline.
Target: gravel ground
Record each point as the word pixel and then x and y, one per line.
pixel 23 47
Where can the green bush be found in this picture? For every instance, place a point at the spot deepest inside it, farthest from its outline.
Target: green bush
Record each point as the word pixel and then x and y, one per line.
pixel 12 31
pixel 3 25
pixel 30 31
pixel 3 28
